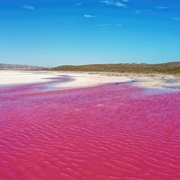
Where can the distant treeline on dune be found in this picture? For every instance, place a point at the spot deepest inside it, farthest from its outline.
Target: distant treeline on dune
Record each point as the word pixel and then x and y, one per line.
pixel 165 68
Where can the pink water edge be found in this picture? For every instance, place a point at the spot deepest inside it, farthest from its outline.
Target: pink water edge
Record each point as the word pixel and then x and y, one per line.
pixel 105 132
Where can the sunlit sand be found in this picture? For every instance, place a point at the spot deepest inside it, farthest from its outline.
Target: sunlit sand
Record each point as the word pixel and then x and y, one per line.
pixel 86 79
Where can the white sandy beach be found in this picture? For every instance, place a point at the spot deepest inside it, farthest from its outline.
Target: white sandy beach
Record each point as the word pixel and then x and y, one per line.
pixel 85 79
pixel 20 77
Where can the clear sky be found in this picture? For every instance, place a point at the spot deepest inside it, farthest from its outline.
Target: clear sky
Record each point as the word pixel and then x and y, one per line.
pixel 57 32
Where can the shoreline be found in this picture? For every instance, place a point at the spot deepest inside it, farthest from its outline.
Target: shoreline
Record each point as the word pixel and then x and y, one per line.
pixel 89 79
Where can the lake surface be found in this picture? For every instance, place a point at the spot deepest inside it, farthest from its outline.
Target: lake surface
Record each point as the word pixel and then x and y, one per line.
pixel 105 132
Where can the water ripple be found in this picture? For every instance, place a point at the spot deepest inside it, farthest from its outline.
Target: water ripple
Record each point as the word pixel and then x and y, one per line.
pixel 104 132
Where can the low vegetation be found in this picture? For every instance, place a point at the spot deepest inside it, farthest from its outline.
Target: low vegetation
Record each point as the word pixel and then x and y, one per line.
pixel 166 68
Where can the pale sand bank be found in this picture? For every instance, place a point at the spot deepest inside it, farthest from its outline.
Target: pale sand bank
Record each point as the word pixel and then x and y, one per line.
pixel 85 79
pixel 20 77
pixel 158 81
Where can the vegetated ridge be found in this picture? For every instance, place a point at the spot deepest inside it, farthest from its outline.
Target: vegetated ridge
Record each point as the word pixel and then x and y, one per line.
pixel 165 68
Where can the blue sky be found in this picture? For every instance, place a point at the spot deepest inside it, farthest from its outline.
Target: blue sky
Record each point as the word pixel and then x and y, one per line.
pixel 57 32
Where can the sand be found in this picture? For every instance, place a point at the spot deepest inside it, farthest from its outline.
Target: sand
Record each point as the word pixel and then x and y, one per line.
pixel 20 77
pixel 86 79
pixel 169 82
pixel 145 81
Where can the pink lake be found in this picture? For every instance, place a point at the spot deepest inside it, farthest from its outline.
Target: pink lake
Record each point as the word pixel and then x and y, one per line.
pixel 105 132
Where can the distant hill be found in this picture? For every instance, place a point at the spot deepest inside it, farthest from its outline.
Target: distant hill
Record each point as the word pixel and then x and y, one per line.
pixel 165 68
pixel 18 67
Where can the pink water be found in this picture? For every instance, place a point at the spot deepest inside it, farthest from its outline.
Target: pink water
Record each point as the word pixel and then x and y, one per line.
pixel 105 132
